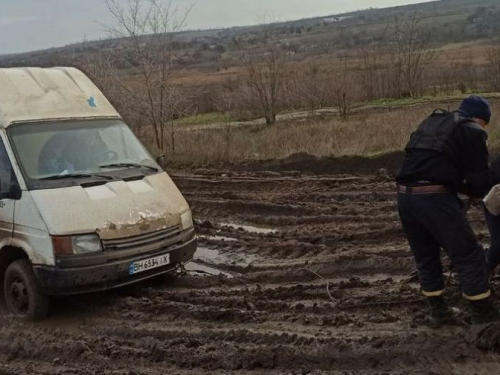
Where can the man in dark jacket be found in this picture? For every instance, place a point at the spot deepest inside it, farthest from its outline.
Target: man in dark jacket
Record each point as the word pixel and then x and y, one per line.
pixel 446 155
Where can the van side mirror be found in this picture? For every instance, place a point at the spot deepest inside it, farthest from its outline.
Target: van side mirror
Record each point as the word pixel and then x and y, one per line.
pixel 160 160
pixel 14 192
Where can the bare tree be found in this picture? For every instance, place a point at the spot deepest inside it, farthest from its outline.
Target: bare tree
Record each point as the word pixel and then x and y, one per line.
pixel 375 70
pixel 344 89
pixel 138 72
pixel 265 81
pixel 293 90
pixel 469 71
pixel 179 106
pixel 314 91
pixel 370 65
pixel 225 105
pixel 448 78
pixel 411 55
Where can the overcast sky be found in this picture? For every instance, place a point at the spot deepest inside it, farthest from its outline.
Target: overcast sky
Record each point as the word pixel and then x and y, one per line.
pixel 27 25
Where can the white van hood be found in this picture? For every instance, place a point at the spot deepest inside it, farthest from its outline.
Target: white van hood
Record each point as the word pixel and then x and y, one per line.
pixel 117 209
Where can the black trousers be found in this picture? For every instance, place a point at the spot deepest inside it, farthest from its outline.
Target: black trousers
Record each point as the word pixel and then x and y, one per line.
pixel 433 222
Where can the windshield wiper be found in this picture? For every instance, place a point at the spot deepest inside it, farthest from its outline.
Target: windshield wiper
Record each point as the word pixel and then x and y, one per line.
pixel 75 175
pixel 128 165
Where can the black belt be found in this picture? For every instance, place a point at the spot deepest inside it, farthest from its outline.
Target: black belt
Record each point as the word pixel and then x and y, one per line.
pixel 427 189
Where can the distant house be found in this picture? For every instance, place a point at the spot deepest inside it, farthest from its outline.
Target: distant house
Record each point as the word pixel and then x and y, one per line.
pixel 335 19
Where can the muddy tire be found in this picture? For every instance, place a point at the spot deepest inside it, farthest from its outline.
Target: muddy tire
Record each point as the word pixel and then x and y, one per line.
pixel 23 296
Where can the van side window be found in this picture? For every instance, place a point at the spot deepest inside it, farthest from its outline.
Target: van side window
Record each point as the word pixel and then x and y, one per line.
pixel 7 175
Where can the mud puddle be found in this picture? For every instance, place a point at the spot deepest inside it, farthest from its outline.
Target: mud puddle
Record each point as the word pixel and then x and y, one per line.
pixel 217 257
pixel 218 238
pixel 202 270
pixel 249 228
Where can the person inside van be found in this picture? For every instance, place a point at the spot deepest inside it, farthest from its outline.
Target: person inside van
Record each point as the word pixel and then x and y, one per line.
pixel 53 158
pixel 67 153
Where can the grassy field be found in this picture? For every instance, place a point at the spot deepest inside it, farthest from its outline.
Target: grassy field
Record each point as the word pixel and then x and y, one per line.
pixel 369 132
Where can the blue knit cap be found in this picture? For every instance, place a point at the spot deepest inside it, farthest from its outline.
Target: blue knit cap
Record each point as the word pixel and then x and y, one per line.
pixel 478 107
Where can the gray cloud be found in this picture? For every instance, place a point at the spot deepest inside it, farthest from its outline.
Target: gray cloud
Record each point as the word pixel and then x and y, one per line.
pixel 12 20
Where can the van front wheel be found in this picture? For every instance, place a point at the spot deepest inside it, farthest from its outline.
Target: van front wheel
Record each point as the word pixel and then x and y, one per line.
pixel 23 296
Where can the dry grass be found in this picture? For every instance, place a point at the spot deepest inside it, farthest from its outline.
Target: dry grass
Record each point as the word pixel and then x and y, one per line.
pixel 369 133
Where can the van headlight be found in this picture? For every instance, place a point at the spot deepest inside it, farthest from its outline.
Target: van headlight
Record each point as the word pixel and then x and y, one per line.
pixel 187 220
pixel 74 245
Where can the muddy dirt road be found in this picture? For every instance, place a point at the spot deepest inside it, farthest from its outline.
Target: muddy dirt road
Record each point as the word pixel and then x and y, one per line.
pixel 256 302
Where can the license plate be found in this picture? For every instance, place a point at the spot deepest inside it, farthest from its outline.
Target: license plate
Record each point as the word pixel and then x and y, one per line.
pixel 148 264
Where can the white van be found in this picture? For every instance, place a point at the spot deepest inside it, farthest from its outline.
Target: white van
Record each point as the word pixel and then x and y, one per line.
pixel 83 205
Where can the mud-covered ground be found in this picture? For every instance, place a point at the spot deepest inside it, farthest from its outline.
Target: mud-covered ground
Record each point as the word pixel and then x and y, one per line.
pixel 257 300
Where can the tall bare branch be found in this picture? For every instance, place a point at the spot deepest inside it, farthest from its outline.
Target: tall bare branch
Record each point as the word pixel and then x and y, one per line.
pixel 138 71
pixel 265 75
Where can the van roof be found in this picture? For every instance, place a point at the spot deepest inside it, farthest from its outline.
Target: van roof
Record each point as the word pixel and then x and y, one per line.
pixel 36 94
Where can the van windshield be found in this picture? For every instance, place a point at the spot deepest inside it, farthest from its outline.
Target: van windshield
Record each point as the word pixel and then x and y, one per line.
pixel 80 149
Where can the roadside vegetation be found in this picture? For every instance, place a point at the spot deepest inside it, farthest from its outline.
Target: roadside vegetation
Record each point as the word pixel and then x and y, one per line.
pixel 368 132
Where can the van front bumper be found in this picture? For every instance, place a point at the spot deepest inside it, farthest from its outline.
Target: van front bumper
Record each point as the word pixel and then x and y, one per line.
pixel 108 270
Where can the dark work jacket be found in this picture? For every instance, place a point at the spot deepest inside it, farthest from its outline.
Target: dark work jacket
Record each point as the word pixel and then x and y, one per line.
pixel 467 172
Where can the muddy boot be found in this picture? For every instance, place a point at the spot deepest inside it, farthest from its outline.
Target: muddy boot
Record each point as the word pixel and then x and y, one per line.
pixel 483 312
pixel 439 313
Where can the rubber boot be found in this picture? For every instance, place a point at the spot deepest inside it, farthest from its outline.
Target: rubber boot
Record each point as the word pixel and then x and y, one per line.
pixel 439 312
pixel 483 312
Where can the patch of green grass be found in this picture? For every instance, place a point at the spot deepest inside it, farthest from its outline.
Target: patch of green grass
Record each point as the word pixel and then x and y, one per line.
pixel 244 116
pixel 402 102
pixel 215 117
pixel 389 102
pixel 200 119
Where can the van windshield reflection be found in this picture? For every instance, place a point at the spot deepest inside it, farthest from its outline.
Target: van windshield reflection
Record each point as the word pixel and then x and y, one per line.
pixel 84 149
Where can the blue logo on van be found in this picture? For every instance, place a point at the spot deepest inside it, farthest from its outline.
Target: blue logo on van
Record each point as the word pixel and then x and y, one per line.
pixel 92 102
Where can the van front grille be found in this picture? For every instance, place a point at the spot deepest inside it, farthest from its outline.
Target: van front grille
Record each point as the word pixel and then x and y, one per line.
pixel 160 238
